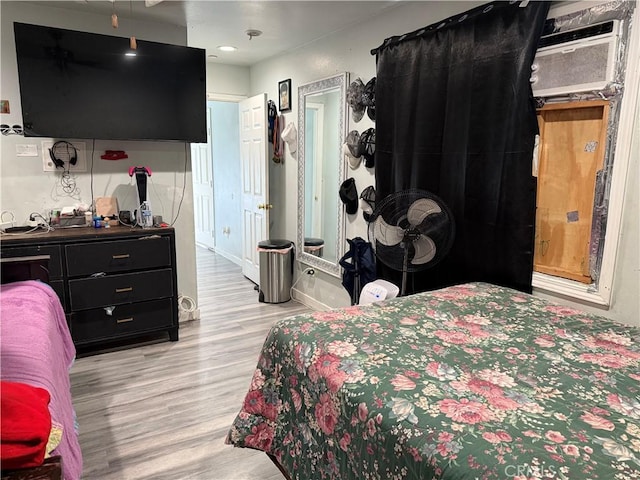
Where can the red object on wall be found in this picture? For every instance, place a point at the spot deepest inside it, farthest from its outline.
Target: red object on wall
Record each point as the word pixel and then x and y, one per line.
pixel 114 155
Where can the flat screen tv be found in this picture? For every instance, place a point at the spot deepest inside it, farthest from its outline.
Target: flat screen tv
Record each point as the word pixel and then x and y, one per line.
pixel 84 85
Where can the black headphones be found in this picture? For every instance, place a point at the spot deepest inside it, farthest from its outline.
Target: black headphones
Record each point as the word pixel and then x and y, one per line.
pixel 69 152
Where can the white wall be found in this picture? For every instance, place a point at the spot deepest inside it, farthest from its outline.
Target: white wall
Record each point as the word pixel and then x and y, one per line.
pixel 349 51
pixel 227 80
pixel 25 188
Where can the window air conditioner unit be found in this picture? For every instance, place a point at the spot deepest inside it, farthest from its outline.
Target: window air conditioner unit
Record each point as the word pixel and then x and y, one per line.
pixel 574 61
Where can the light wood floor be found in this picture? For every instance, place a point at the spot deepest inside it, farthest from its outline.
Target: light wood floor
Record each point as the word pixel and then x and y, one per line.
pixel 162 410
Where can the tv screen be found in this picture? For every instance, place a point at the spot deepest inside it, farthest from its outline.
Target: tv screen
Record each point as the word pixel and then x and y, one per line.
pixel 84 85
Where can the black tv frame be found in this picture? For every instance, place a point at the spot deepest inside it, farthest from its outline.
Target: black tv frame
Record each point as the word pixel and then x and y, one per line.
pixel 84 85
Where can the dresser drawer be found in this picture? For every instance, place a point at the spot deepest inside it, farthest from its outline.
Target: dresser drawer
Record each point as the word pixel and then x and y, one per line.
pixel 97 292
pixel 54 252
pixel 58 287
pixel 125 320
pixel 118 256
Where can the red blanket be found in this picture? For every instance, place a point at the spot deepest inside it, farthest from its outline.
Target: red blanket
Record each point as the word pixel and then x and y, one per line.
pixel 25 423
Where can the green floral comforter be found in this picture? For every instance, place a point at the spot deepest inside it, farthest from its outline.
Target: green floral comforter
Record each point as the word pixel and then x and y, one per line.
pixel 468 382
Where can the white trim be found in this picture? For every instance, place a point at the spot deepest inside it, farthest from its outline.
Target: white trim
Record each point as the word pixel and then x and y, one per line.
pixel 309 301
pixel 562 286
pixel 227 255
pixel 225 97
pixel 601 294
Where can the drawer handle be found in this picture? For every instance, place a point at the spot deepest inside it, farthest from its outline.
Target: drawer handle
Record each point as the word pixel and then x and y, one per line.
pixel 124 320
pixel 119 257
pixel 126 289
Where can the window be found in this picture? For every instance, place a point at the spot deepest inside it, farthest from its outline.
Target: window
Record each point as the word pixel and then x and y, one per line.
pixel 598 292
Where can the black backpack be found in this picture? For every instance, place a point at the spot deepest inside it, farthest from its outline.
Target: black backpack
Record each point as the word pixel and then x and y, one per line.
pixel 272 113
pixel 360 270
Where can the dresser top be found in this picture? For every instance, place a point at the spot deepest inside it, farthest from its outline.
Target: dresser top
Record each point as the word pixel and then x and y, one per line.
pixel 79 233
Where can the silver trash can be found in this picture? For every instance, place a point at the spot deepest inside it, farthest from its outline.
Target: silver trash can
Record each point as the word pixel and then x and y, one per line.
pixel 314 246
pixel 276 270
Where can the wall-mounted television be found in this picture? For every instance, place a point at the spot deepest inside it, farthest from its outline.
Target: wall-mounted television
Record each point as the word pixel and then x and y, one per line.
pixel 86 85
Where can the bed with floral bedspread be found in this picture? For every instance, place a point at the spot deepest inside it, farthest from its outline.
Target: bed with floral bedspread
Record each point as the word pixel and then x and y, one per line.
pixel 468 382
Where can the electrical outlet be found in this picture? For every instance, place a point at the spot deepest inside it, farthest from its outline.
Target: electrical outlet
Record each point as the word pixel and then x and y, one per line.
pixel 49 166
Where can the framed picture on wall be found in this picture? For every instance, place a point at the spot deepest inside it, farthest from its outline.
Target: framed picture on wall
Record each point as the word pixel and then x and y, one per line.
pixel 284 95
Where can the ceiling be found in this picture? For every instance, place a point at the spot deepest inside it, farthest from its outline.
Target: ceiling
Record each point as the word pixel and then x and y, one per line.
pixel 286 25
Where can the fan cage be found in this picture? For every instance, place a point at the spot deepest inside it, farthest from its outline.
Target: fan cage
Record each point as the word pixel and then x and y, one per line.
pixel 440 227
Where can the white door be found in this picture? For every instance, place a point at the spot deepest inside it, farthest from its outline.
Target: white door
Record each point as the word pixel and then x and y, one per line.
pixel 255 182
pixel 203 189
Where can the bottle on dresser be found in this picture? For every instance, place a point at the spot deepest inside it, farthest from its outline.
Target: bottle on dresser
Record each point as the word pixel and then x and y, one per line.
pixel 146 217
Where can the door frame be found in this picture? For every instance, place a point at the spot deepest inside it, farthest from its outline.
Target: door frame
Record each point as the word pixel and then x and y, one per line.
pixel 220 97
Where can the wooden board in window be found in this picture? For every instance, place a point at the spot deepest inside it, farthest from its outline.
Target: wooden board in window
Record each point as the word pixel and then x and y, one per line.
pixel 572 148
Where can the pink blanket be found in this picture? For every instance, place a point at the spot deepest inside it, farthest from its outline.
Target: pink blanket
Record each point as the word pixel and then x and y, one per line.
pixel 36 349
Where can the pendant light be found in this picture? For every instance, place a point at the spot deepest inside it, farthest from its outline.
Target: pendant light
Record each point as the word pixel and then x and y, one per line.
pixel 133 45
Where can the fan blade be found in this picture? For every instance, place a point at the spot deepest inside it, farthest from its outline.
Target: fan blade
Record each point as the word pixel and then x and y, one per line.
pixel 425 250
pixel 387 234
pixel 151 3
pixel 421 209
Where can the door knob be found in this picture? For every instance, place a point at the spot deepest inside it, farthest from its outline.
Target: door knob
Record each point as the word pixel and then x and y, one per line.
pixel 265 206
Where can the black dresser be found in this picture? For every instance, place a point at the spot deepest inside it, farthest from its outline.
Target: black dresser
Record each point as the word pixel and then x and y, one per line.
pixel 114 283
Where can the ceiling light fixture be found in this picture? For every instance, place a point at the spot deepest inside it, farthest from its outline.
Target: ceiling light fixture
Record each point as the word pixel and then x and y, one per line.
pixel 227 48
pixel 253 33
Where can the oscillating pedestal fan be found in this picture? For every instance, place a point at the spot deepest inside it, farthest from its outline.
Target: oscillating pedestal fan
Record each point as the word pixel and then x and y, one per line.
pixel 411 230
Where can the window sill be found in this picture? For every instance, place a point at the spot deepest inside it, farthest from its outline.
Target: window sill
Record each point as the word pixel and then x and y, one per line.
pixel 569 288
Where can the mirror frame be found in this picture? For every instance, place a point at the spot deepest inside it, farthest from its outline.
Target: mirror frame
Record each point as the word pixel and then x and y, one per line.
pixel 341 81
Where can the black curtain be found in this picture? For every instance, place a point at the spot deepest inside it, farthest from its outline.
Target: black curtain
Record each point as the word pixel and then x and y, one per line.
pixel 455 116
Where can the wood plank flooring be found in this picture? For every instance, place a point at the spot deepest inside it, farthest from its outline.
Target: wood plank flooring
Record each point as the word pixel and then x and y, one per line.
pixel 162 410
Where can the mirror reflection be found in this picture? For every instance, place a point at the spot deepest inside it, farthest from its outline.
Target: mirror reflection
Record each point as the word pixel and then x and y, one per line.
pixel 321 172
pixel 320 218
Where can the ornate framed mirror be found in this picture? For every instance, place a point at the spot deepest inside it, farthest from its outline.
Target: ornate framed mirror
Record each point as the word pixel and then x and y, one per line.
pixel 322 123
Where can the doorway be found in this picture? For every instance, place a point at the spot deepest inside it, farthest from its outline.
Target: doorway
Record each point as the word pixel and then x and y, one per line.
pixel 217 182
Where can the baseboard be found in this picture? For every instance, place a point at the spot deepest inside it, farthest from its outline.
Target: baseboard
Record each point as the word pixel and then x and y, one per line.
pixel 228 256
pixel 309 301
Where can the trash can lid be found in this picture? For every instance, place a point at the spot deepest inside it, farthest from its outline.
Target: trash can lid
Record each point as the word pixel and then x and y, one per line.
pixel 313 242
pixel 275 244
